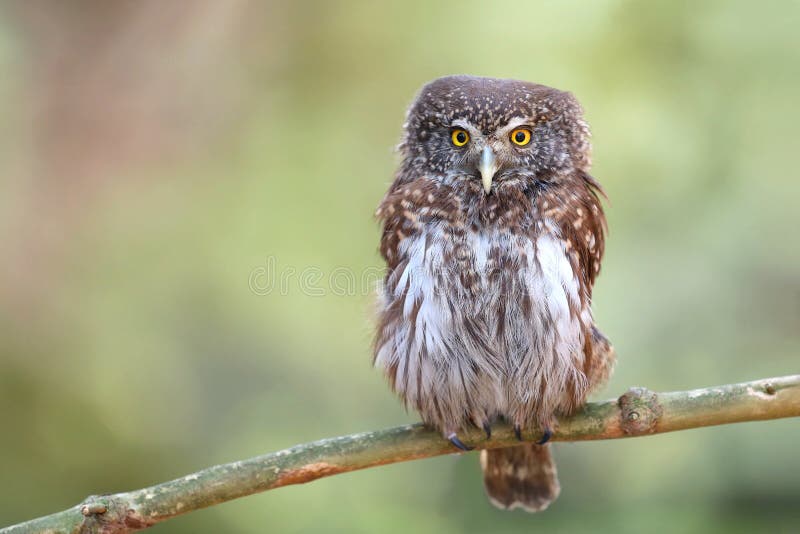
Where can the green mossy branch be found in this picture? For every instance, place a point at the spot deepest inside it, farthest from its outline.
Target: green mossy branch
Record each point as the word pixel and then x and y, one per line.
pixel 637 412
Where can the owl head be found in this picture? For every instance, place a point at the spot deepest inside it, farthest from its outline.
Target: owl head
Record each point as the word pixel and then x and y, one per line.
pixel 493 132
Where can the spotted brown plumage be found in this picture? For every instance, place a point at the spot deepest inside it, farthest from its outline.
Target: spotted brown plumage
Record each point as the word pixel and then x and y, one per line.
pixel 492 240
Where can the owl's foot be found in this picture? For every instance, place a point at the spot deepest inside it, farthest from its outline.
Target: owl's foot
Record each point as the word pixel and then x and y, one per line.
pixel 488 429
pixel 545 436
pixel 458 443
pixel 547 433
pixel 480 420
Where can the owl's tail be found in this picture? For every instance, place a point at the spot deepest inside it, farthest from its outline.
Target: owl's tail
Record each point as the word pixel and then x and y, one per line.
pixel 523 476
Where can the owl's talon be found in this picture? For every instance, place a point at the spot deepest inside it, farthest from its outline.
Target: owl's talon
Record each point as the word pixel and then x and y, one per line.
pixel 488 429
pixel 545 437
pixel 518 432
pixel 458 443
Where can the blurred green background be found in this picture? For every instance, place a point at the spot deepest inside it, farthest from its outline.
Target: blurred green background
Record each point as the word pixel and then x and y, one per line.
pixel 157 159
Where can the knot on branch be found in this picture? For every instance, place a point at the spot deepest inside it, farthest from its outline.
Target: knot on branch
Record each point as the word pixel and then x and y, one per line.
pixel 640 411
pixel 109 515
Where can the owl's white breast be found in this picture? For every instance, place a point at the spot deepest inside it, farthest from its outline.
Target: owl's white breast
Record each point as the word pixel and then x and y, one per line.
pixel 469 356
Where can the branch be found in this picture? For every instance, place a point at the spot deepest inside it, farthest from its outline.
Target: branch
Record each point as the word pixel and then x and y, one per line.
pixel 636 413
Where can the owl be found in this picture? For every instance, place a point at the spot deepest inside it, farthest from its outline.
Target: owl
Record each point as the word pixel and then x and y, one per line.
pixel 493 233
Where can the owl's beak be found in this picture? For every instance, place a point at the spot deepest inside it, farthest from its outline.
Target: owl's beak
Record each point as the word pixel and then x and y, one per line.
pixel 487 166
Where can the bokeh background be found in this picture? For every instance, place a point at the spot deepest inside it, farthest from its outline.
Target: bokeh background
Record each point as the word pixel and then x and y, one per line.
pixel 159 159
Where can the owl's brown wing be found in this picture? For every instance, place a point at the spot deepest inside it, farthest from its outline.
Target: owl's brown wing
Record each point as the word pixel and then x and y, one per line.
pixel 389 213
pixel 399 214
pixel 578 213
pixel 585 228
pixel 601 361
pixel 403 211
pixel 590 244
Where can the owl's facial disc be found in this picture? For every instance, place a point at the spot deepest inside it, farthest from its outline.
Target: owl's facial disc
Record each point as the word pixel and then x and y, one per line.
pixel 487 167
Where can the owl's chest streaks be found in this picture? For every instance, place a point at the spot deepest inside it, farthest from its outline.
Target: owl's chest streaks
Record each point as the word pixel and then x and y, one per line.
pixel 486 266
pixel 497 307
pixel 499 278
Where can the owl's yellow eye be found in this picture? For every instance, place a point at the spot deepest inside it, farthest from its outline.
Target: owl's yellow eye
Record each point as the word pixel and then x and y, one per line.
pixel 521 136
pixel 459 137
